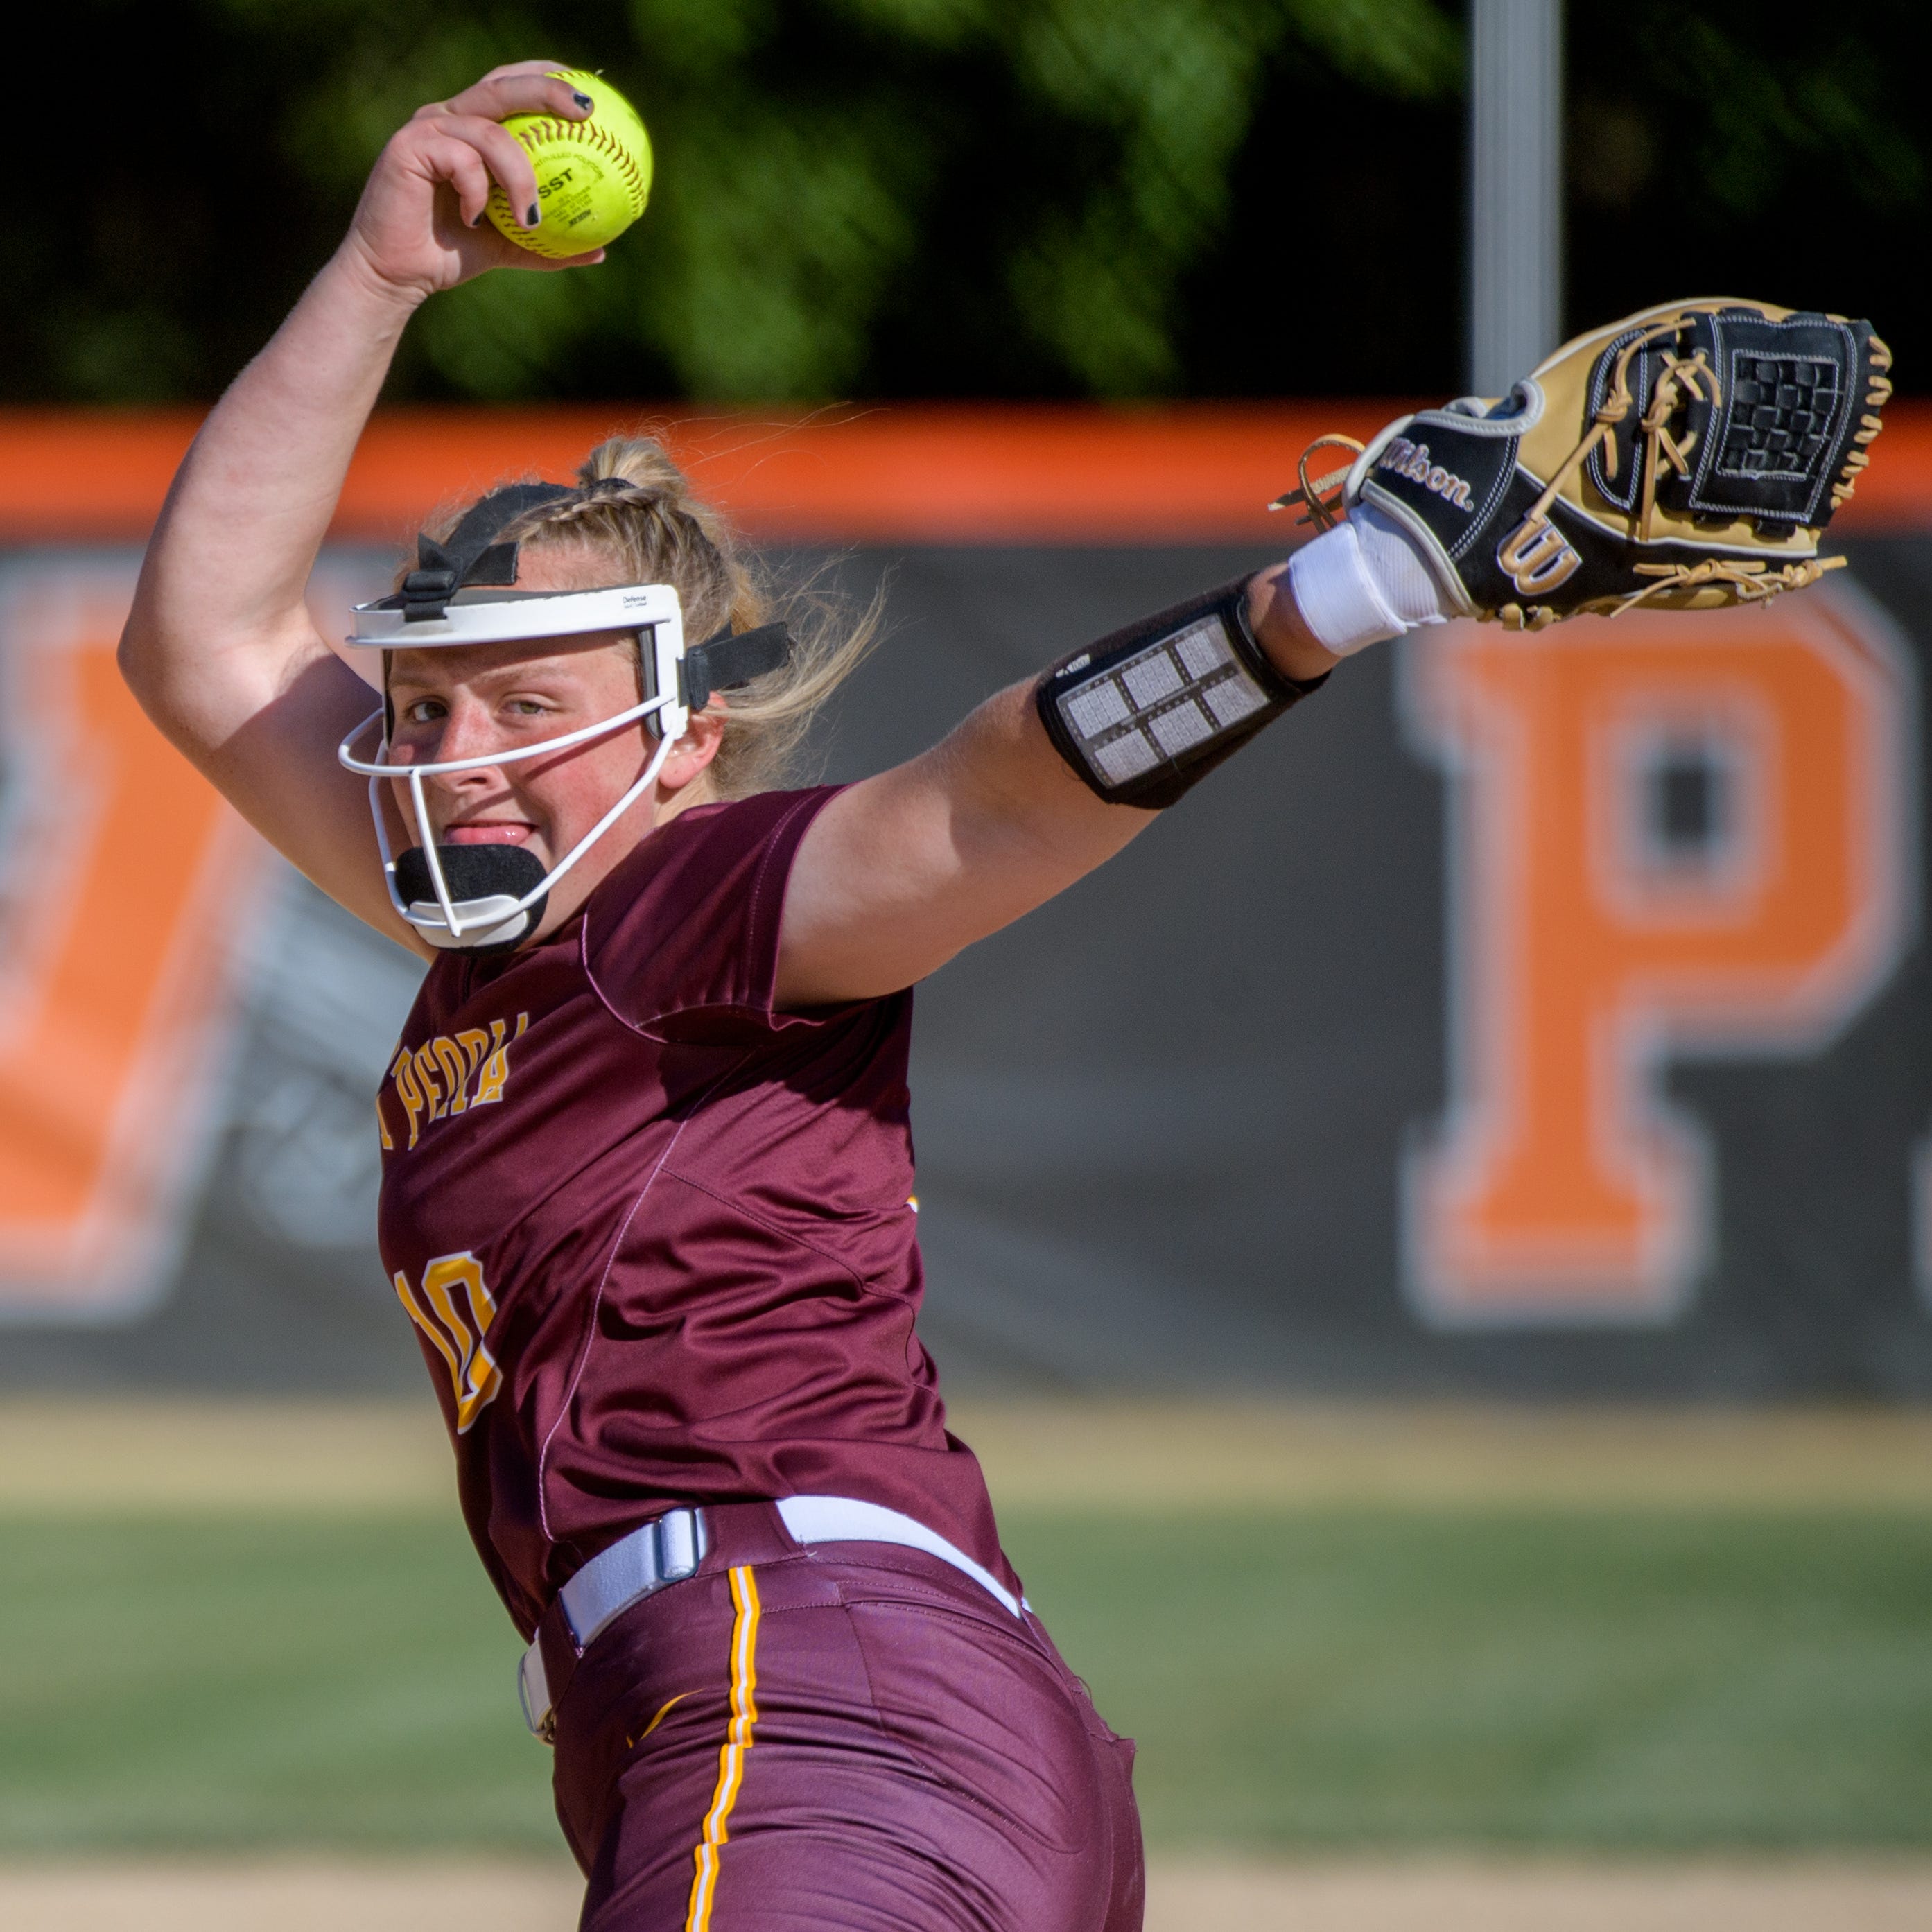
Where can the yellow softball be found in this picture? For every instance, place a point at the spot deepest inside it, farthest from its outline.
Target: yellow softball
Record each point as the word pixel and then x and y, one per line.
pixel 593 176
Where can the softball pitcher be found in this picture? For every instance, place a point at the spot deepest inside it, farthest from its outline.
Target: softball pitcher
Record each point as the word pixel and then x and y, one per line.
pixel 647 1168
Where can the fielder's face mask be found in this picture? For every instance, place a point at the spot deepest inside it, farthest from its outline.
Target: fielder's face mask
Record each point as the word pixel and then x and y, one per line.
pixel 486 897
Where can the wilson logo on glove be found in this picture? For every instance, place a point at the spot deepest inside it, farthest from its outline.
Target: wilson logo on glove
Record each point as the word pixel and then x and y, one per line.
pixel 1535 557
pixel 1689 456
pixel 1411 460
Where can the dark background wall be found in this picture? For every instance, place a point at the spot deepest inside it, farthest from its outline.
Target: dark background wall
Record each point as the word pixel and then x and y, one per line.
pixel 1160 1123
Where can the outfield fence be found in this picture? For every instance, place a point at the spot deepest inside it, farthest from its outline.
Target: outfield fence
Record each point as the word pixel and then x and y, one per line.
pixel 1541 1014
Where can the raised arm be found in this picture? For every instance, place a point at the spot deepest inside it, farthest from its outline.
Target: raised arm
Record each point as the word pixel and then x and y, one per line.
pixel 219 648
pixel 903 870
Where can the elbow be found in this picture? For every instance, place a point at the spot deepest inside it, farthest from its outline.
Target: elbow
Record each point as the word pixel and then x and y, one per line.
pixel 134 655
pixel 141 657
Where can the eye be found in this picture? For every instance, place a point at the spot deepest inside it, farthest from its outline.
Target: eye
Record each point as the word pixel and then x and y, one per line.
pixel 425 711
pixel 526 707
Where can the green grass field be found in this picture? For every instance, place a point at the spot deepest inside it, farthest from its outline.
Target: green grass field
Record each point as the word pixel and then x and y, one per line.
pixel 1309 1679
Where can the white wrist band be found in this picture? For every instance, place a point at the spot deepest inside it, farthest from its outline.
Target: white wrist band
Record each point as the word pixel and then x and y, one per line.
pixel 1338 598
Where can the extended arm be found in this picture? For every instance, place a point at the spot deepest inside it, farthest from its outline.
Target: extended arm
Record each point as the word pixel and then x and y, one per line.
pixel 219 648
pixel 1495 515
pixel 901 872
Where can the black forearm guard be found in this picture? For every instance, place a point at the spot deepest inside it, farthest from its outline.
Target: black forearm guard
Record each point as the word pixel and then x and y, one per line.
pixel 1145 713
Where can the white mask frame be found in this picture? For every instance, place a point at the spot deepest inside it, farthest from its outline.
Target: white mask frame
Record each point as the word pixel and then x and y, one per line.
pixel 478 617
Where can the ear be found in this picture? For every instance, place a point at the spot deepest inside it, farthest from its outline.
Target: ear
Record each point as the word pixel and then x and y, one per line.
pixel 695 751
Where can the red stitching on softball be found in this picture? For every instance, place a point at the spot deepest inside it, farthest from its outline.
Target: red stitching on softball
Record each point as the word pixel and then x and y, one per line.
pixel 588 133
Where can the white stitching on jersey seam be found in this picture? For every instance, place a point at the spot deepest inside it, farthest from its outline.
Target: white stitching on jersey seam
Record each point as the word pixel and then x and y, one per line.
pixel 642 1027
pixel 737 1207
pixel 764 869
pixel 610 1261
pixel 597 1300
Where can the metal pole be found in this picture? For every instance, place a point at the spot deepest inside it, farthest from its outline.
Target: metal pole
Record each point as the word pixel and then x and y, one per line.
pixel 1516 181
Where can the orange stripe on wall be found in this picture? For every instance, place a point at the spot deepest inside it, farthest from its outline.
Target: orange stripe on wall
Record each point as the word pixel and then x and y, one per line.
pixel 114 994
pixel 925 473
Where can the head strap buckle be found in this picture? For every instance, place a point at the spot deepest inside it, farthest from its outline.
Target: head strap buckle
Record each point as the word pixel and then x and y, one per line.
pixel 470 554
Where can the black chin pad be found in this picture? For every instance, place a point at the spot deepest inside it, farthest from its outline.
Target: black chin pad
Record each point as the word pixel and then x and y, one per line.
pixel 475 872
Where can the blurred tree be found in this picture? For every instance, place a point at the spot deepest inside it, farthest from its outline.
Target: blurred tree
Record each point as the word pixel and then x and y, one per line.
pixel 962 196
pixel 992 192
pixel 965 197
pixel 1753 147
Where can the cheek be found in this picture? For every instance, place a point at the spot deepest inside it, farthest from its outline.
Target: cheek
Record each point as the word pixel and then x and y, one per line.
pixel 571 795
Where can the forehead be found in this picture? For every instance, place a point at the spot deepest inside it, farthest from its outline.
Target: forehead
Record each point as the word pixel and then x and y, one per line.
pixel 443 666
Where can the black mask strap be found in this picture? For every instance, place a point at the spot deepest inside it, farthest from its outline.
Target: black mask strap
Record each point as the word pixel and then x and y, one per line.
pixel 727 660
pixel 470 553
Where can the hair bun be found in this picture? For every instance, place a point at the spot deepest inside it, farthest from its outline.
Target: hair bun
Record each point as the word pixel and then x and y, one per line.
pixel 640 463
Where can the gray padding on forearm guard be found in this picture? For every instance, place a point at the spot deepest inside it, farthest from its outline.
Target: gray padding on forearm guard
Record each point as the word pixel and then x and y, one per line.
pixel 1152 709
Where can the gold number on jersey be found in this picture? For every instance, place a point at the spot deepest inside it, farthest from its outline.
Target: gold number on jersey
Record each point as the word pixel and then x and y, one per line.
pixel 454 1310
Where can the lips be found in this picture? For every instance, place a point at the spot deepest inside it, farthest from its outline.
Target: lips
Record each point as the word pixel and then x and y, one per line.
pixel 493 833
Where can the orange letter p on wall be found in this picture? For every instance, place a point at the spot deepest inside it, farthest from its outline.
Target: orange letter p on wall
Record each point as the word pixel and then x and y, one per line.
pixel 1669 836
pixel 125 878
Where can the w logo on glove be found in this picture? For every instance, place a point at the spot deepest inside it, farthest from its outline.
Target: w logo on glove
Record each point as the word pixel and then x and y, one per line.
pixel 1536 558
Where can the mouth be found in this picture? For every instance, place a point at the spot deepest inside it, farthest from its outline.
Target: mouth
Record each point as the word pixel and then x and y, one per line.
pixel 490 831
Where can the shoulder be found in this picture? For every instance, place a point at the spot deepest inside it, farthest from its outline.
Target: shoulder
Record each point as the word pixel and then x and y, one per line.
pixel 746 823
pixel 708 850
pixel 691 918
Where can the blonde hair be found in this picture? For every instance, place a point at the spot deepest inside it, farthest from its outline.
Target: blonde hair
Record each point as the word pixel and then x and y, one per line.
pixel 636 520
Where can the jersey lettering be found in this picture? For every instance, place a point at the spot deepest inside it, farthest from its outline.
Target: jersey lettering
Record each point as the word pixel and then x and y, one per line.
pixel 496 1068
pixel 432 1082
pixel 454 1310
pixel 425 1065
pixel 449 1064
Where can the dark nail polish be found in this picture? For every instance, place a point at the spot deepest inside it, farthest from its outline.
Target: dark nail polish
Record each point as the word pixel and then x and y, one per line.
pixel 582 101
pixel 535 215
pixel 476 220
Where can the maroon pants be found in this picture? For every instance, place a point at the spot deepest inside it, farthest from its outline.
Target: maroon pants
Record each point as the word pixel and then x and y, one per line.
pixel 853 1738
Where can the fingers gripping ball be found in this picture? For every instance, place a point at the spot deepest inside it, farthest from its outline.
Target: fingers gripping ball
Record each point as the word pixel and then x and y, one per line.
pixel 593 176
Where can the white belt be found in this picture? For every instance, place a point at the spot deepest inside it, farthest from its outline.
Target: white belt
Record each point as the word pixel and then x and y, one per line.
pixel 670 1548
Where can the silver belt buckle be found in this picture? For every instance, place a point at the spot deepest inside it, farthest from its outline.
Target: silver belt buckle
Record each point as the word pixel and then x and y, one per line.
pixel 665 1550
pixel 533 1693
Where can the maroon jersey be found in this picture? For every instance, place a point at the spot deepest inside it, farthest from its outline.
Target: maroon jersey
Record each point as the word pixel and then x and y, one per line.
pixel 656 1238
